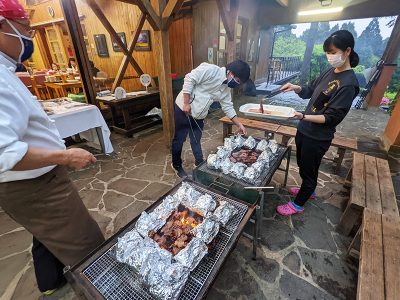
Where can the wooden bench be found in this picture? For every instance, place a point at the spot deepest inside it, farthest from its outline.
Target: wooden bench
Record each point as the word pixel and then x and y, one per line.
pixel 287 133
pixel 371 187
pixel 379 266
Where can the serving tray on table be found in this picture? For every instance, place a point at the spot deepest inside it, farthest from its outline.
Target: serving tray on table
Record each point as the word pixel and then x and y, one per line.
pixel 284 112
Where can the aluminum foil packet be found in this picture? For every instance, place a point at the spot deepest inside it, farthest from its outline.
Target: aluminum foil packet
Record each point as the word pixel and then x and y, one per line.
pixel 139 255
pixel 224 212
pixel 265 156
pixel 131 241
pixel 181 193
pixel 259 166
pixel 229 143
pixel 273 146
pixel 170 203
pixel 226 166
pixel 213 161
pixel 145 224
pixel 170 284
pixel 187 195
pixel 262 146
pixel 192 254
pixel 223 152
pixel 250 143
pixel 237 170
pixel 205 204
pixel 250 175
pixel 207 230
pixel 239 140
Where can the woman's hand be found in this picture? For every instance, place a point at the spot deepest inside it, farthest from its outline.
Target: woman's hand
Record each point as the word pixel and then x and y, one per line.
pixel 297 116
pixel 187 109
pixel 288 87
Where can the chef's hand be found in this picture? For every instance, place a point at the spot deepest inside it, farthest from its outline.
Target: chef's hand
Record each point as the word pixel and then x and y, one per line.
pixel 242 130
pixel 297 116
pixel 288 87
pixel 78 158
pixel 187 109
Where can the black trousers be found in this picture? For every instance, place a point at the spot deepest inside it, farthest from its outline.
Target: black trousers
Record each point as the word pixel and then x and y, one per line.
pixel 48 269
pixel 182 129
pixel 309 153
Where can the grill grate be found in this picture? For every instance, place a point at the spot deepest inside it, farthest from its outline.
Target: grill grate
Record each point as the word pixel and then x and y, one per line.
pixel 116 280
pixel 260 181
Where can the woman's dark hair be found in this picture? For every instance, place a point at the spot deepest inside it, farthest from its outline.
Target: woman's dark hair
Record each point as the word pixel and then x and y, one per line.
pixel 239 69
pixel 91 64
pixel 55 65
pixel 343 39
pixel 71 59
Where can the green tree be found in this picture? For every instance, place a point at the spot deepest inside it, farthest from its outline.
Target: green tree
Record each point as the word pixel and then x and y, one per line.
pixel 319 63
pixel 334 29
pixel 351 28
pixel 371 37
pixel 289 46
pixel 324 30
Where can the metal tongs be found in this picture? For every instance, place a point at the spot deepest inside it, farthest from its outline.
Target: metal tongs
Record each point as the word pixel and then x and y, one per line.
pixel 192 127
pixel 261 106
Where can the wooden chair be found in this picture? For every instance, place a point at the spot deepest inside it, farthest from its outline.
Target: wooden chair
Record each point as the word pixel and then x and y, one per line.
pixel 39 80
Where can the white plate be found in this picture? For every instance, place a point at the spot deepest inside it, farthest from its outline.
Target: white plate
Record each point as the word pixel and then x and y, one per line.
pixel 72 80
pixel 285 112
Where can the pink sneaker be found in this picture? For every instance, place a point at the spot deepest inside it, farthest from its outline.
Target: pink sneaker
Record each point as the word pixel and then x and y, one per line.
pixel 288 209
pixel 295 191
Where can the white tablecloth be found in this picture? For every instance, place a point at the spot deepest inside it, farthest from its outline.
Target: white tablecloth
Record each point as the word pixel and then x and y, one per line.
pixel 83 120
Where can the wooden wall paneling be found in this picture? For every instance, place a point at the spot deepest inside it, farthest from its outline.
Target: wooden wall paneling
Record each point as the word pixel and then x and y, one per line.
pixel 74 28
pixel 125 60
pixel 125 18
pixel 40 11
pixel 41 56
pixel 171 10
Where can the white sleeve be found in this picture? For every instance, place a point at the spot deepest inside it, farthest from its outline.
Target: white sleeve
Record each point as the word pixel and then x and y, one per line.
pixel 14 117
pixel 227 105
pixel 201 74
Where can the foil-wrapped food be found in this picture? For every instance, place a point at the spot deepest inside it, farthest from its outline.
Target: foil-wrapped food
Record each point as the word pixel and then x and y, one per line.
pixel 181 193
pixel 224 212
pixel 146 223
pixel 207 230
pixel 192 254
pixel 170 283
pixel 213 162
pixel 237 170
pixel 239 140
pixel 265 156
pixel 170 203
pixel 187 195
pixel 205 204
pixel 250 143
pixel 229 143
pixel 273 146
pixel 259 166
pixel 262 146
pixel 250 175
pixel 223 152
pixel 126 244
pixel 226 166
pixel 138 255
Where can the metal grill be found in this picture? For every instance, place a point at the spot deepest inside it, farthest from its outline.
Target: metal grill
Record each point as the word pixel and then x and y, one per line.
pixel 260 181
pixel 115 280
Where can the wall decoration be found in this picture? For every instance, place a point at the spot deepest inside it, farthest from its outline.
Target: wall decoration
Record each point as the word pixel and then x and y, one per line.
pixel 114 44
pixel 143 42
pixel 101 44
pixel 251 52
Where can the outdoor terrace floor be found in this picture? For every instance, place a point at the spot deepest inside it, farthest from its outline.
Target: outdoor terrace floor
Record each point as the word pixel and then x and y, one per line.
pixel 301 257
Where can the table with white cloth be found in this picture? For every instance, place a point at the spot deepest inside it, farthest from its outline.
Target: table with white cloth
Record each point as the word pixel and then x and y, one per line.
pixel 85 120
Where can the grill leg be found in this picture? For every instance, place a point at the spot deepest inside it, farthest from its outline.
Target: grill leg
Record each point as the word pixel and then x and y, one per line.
pixel 255 236
pixel 260 217
pixel 289 151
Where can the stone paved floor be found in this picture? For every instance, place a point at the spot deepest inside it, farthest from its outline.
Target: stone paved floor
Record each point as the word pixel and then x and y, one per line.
pixel 301 257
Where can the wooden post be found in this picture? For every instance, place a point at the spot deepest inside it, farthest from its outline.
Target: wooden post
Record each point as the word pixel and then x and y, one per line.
pixel 71 16
pixel 163 58
pixel 229 19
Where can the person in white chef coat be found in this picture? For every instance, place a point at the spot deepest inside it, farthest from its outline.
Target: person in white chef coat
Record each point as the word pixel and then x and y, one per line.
pixel 35 188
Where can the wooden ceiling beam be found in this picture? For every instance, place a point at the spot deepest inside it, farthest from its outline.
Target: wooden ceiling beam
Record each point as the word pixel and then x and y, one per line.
pixel 225 18
pixel 153 18
pixel 98 12
pixel 170 11
pixel 125 60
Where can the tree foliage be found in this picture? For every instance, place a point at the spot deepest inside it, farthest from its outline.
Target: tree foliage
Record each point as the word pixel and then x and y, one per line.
pixel 289 46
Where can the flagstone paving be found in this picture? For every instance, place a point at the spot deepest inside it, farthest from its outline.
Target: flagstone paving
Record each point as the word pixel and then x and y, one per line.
pixel 300 257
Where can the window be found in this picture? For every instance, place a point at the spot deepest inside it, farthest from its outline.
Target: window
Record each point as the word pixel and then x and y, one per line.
pixel 30 2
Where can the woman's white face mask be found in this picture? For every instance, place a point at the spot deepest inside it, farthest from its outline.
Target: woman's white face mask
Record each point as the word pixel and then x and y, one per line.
pixel 335 60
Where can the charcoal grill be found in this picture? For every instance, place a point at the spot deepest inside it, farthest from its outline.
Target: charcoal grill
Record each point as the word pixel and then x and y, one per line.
pixel 234 187
pixel 100 276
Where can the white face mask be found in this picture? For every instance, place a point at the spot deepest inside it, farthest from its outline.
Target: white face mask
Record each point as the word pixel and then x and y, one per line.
pixel 335 60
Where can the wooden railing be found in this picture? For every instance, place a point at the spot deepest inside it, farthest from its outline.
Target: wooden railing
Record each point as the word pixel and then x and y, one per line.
pixel 281 67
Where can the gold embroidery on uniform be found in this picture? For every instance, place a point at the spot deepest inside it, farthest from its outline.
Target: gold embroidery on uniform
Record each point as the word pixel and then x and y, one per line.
pixel 326 104
pixel 314 108
pixel 332 85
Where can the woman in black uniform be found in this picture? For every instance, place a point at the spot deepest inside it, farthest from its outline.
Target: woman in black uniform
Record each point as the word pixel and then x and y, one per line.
pixel 332 94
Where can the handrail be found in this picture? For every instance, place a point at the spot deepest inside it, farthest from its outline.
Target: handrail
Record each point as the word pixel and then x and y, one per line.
pixel 280 67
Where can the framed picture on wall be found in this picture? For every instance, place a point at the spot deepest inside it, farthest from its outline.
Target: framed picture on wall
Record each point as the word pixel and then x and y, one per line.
pixel 143 42
pixel 123 39
pixel 101 45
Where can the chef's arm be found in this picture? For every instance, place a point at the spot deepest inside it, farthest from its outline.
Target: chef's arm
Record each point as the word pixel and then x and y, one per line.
pixel 239 124
pixel 39 158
